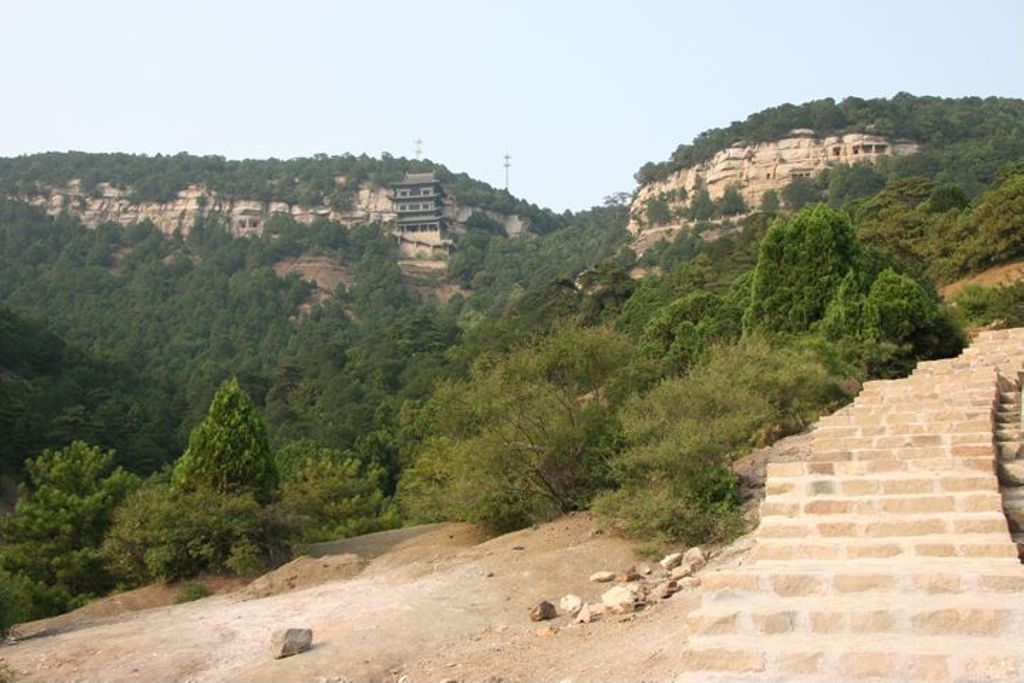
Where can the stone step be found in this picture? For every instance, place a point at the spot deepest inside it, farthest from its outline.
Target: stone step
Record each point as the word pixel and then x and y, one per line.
pixel 883 506
pixel 888 484
pixel 944 546
pixel 965 451
pixel 839 531
pixel 777 471
pixel 847 658
pixel 878 578
pixel 921 615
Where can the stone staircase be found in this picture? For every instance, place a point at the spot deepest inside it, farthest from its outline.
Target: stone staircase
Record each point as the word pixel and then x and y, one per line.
pixel 1010 462
pixel 886 555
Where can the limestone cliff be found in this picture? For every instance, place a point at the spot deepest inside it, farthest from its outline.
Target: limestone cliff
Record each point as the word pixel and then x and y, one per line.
pixel 244 216
pixel 756 168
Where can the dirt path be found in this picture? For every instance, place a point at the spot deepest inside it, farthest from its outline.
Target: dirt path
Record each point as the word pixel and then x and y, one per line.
pixel 429 604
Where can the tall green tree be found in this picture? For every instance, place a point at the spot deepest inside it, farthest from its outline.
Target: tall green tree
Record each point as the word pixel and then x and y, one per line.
pixel 64 509
pixel 703 207
pixel 732 202
pixel 229 451
pixel 770 201
pixel 801 263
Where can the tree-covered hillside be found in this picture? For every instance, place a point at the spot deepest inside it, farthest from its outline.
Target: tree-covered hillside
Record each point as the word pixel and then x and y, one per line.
pixel 965 140
pixel 553 381
pixel 321 180
pixel 177 316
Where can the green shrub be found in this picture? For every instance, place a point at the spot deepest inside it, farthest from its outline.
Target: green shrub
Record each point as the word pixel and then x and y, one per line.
pixel 1001 306
pixel 525 438
pixel 159 534
pixel 679 334
pixel 329 495
pixel 648 551
pixel 675 477
pixel 191 590
pixel 16 592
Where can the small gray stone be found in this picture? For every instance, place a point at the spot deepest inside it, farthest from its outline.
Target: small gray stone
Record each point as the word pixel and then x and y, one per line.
pixel 290 641
pixel 664 590
pixel 543 610
pixel 671 561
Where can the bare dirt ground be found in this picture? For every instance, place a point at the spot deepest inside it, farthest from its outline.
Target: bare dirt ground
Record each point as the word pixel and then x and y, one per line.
pixel 427 604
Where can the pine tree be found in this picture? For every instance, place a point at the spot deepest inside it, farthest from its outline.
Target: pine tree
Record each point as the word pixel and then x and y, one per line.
pixel 228 451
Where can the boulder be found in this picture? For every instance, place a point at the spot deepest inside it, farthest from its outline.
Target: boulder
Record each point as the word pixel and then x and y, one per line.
pixel 290 641
pixel 664 590
pixel 671 561
pixel 681 572
pixel 602 577
pixel 585 615
pixel 622 599
pixel 542 611
pixel 570 604
pixel 695 558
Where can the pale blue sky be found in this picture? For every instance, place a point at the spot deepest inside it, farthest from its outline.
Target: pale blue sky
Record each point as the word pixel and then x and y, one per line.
pixel 579 93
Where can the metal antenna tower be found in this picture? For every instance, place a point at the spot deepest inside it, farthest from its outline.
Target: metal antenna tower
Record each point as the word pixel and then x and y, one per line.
pixel 508 162
pixel 419 148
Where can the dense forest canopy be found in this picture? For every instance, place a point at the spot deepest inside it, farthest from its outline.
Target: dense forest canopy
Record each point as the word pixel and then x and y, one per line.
pixel 555 380
pixel 965 140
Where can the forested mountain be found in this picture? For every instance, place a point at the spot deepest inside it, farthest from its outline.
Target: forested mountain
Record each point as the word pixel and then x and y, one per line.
pixel 554 379
pixel 313 181
pixel 182 314
pixel 965 140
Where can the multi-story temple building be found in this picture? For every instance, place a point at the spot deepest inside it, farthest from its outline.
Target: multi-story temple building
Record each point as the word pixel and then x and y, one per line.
pixel 420 222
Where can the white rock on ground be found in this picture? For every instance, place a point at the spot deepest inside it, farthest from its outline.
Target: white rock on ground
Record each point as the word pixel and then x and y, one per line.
pixel 570 604
pixel 671 561
pixel 622 599
pixel 695 558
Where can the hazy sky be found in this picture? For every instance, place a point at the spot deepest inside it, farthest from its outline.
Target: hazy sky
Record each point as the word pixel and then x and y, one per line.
pixel 579 93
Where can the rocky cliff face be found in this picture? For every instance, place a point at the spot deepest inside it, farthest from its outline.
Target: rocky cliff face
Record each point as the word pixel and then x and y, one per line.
pixel 756 168
pixel 244 216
